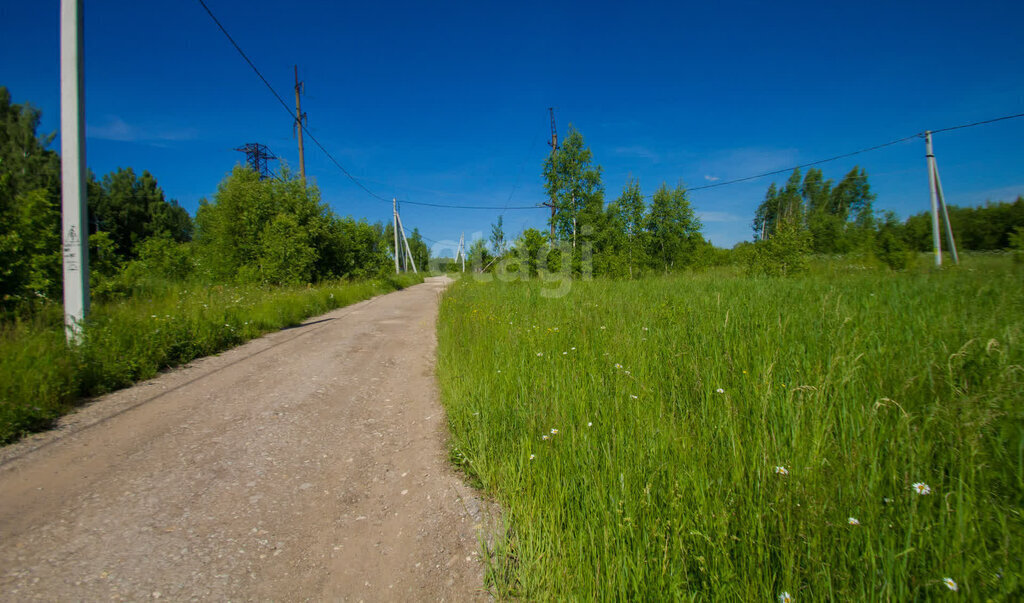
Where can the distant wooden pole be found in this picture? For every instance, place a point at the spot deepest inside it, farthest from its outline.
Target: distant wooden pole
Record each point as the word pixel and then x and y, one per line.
pixel 74 208
pixel 300 117
pixel 553 143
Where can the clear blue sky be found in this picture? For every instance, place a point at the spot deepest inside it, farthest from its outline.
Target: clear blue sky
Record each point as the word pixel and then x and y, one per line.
pixel 447 102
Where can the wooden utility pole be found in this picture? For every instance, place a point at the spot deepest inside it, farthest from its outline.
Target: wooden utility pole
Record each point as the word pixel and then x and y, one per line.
pixel 74 209
pixel 300 121
pixel 553 143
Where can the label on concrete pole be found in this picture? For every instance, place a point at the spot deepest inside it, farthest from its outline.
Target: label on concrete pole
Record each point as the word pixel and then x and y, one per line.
pixel 74 210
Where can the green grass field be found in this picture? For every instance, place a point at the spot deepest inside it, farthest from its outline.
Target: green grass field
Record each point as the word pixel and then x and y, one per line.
pixel 718 437
pixel 41 378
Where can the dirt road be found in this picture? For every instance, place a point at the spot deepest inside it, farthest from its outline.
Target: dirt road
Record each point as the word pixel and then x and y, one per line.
pixel 307 464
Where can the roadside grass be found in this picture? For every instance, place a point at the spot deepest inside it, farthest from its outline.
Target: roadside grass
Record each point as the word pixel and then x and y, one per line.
pixel 720 437
pixel 41 378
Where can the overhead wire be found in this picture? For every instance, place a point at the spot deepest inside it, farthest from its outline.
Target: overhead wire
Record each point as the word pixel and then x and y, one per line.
pixel 803 165
pixel 977 123
pixel 337 164
pixel 368 191
pixel 851 154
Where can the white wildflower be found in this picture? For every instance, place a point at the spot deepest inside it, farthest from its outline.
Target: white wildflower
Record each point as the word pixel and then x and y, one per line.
pixel 545 437
pixel 781 470
pixel 785 597
pixel 634 397
pixel 533 456
pixel 554 431
pixel 950 584
pixel 853 521
pixel 590 423
pixel 921 488
pixel 540 353
pixel 617 365
pixel 719 391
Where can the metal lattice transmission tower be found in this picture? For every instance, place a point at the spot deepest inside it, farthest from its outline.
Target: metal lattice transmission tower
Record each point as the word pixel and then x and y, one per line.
pixel 257 155
pixel 553 143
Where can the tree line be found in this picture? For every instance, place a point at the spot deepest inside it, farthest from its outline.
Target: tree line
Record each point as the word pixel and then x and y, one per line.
pixel 125 211
pixel 807 215
pixel 279 231
pixel 275 231
pixel 626 237
pixel 810 214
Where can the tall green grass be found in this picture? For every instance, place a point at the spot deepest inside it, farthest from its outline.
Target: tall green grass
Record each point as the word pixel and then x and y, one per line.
pixel 42 378
pixel 675 400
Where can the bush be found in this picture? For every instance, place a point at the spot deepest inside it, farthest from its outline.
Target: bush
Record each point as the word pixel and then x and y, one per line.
pixel 784 254
pixel 891 248
pixel 1017 244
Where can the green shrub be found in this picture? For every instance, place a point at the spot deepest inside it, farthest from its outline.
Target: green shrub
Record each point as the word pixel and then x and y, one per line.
pixel 785 253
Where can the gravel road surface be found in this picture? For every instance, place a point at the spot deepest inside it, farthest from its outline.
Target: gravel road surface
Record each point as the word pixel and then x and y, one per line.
pixel 307 464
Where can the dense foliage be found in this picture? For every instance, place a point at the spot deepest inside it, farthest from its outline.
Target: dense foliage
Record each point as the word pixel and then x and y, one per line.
pixel 278 231
pixel 625 237
pixel 125 212
pixel 808 215
pixel 985 228
pixel 274 231
pixel 29 207
pixel 813 215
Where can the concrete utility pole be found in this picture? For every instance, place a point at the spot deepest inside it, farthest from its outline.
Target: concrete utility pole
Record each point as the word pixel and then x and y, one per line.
pixel 300 120
pixel 938 200
pixel 394 221
pixel 406 241
pixel 74 209
pixel 462 251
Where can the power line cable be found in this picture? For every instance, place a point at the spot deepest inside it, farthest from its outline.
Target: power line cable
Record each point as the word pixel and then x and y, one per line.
pixel 539 206
pixel 977 123
pixel 801 166
pixel 337 164
pixel 246 57
pixel 851 154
